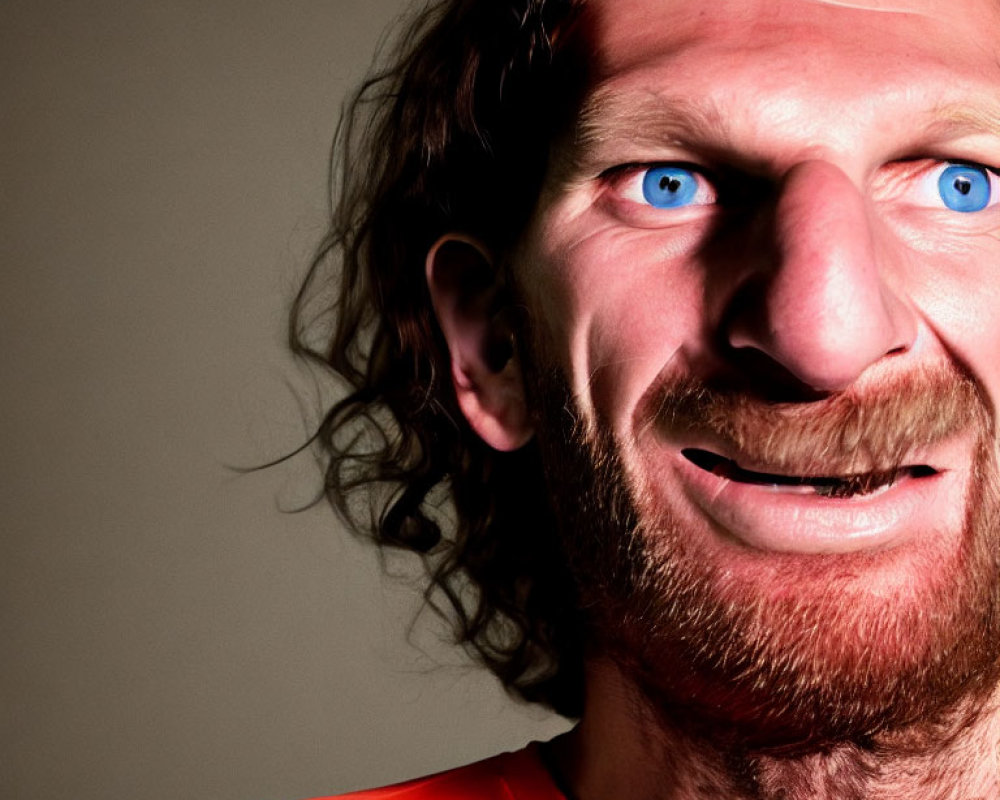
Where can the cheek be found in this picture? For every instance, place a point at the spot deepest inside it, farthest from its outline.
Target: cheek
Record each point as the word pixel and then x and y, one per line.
pixel 958 294
pixel 618 309
pixel 634 342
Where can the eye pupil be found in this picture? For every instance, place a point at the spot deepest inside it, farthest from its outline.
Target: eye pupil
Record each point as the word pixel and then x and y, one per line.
pixel 669 184
pixel 963 185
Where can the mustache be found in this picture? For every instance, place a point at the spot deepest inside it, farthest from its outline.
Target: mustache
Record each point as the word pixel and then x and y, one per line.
pixel 875 428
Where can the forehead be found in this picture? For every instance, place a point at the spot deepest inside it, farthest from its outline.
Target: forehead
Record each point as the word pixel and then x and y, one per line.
pixel 625 32
pixel 780 74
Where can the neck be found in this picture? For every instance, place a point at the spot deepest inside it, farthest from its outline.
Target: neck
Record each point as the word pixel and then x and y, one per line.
pixel 623 748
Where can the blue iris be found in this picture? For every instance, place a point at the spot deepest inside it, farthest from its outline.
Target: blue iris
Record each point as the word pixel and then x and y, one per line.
pixel 964 187
pixel 669 187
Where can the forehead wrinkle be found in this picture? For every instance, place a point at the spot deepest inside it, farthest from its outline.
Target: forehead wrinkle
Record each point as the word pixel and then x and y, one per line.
pixel 878 7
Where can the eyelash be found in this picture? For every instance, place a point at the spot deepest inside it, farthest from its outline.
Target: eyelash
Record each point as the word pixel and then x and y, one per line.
pixel 623 196
pixel 626 181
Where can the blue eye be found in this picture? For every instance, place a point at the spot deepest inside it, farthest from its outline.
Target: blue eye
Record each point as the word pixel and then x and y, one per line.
pixel 669 187
pixel 964 187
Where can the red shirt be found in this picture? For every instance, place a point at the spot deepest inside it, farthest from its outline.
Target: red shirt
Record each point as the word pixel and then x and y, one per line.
pixel 511 776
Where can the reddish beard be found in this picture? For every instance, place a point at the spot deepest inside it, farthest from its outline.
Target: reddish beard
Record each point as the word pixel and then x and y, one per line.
pixel 827 660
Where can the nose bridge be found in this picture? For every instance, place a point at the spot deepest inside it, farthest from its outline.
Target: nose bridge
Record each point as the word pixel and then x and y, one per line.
pixel 817 199
pixel 825 312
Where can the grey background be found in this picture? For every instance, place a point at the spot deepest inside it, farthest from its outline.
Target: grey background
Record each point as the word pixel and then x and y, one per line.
pixel 167 631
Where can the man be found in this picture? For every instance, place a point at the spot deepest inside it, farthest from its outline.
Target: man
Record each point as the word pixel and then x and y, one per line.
pixel 671 328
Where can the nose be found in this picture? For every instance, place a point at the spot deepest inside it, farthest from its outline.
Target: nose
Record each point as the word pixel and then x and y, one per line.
pixel 821 309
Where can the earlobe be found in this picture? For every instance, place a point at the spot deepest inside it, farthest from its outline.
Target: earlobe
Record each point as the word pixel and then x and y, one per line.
pixel 468 298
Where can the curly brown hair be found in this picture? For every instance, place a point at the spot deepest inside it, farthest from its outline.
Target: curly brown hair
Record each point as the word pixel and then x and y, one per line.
pixel 450 132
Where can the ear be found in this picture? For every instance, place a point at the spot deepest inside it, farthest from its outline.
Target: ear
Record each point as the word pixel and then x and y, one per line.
pixel 468 298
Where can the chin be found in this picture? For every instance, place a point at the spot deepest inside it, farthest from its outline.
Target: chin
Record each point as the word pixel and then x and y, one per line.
pixel 786 648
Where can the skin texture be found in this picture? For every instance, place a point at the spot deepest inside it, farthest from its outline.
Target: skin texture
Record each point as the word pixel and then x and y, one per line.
pixel 818 262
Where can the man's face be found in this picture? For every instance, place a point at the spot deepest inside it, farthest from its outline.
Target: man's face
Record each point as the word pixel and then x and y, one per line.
pixel 766 267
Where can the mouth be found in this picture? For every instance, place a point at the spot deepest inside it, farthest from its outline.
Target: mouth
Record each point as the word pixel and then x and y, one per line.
pixel 799 506
pixel 833 486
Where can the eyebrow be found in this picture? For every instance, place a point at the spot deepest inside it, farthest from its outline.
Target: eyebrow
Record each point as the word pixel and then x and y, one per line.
pixel 658 120
pixel 964 118
pixel 654 120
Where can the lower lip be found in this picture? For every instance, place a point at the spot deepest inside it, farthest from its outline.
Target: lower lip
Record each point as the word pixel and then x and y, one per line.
pixel 783 519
